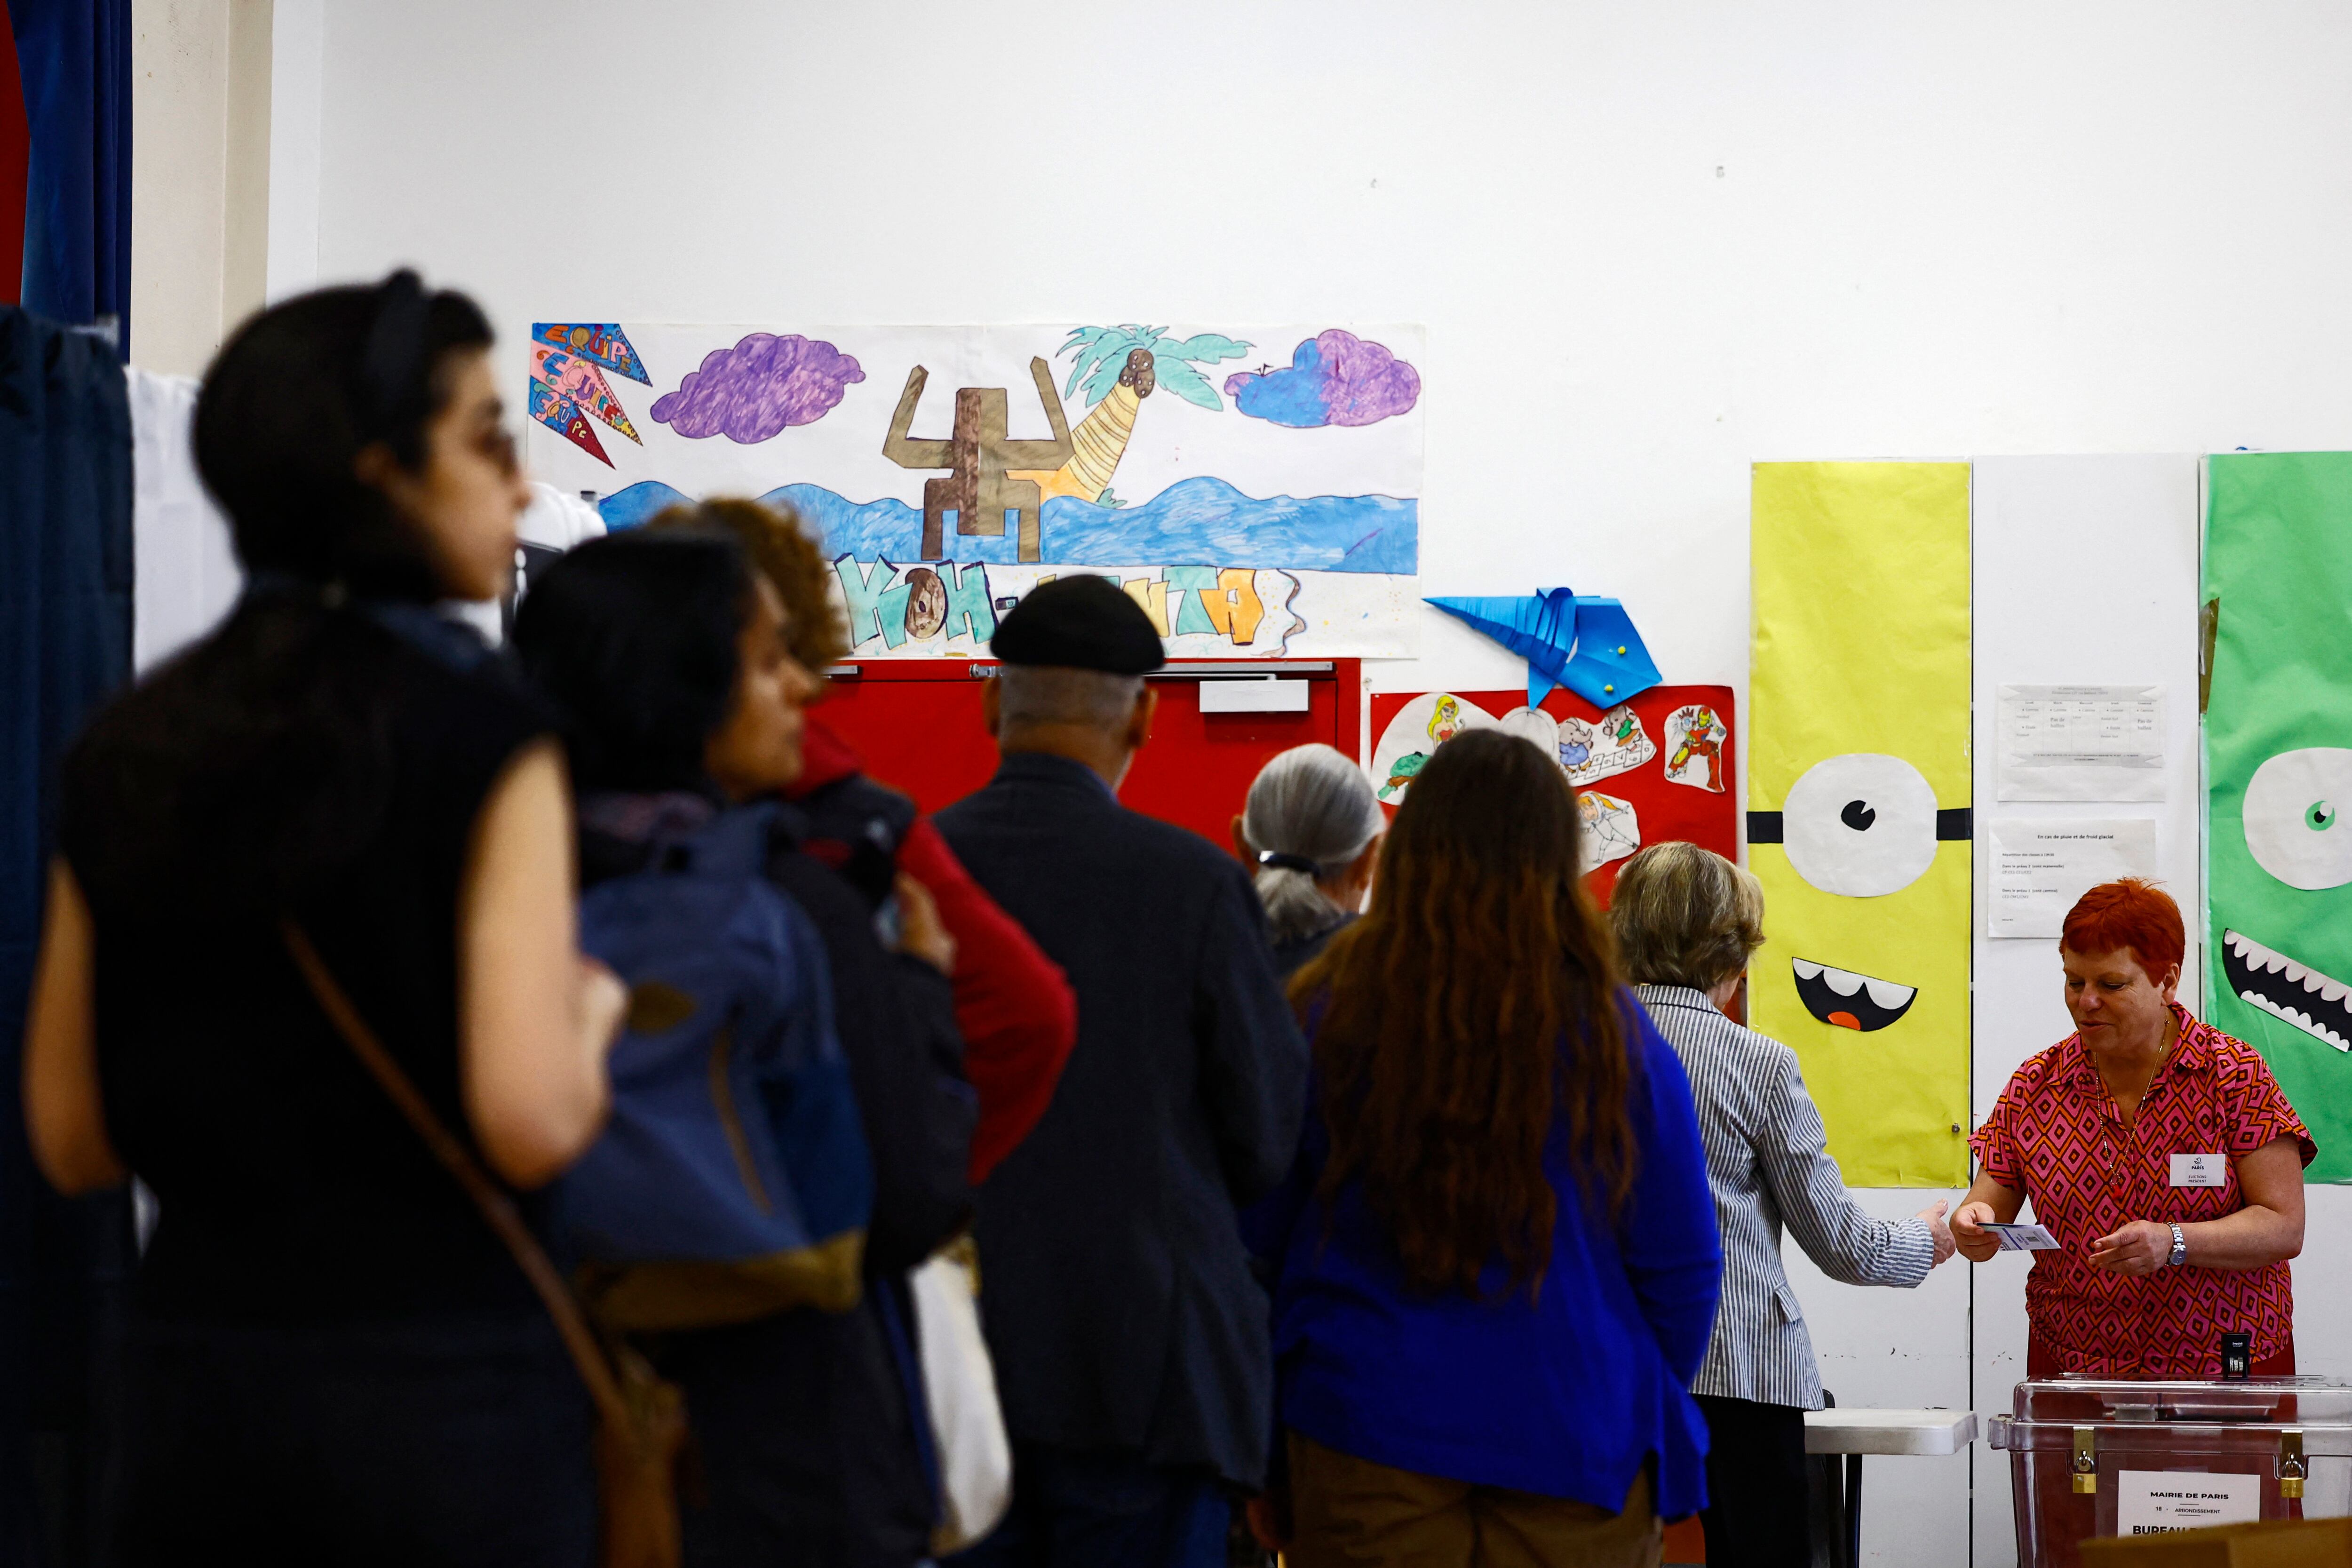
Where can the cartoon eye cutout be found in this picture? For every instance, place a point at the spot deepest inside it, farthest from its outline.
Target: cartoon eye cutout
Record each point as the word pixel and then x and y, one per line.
pixel 1863 825
pixel 2290 816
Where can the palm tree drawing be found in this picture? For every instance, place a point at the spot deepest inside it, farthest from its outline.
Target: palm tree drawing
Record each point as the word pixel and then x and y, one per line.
pixel 1117 368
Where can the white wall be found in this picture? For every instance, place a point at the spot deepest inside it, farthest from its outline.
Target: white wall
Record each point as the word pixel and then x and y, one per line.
pixel 179 111
pixel 2053 608
pixel 200 131
pixel 1650 243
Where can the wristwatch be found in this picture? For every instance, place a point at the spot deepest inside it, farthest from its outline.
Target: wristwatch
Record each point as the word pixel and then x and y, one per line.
pixel 2179 1248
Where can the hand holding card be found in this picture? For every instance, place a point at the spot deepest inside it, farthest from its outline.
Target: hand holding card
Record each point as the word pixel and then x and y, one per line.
pixel 2023 1238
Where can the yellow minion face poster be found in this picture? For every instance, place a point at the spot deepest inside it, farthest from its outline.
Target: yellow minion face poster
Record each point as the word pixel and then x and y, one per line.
pixel 1858 796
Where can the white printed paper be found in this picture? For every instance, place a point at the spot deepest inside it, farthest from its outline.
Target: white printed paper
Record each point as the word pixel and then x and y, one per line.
pixel 2154 1502
pixel 2080 743
pixel 2041 866
pixel 2023 1238
pixel 2201 1171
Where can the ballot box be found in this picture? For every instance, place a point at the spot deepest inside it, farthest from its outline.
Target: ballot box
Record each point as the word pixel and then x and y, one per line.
pixel 2091 1459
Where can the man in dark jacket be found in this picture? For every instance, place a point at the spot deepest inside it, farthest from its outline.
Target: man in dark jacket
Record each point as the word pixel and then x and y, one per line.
pixel 1129 1338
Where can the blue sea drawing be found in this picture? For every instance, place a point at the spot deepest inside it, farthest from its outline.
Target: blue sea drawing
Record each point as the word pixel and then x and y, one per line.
pixel 1199 521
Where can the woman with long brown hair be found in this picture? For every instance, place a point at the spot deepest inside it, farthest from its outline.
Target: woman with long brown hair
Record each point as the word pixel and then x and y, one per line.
pixel 1496 1261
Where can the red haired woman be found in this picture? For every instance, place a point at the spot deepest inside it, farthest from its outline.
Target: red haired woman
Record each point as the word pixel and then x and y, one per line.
pixel 2160 1151
pixel 1495 1263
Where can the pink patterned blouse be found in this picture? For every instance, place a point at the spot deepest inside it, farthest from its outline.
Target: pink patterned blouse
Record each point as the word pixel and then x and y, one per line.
pixel 2056 1135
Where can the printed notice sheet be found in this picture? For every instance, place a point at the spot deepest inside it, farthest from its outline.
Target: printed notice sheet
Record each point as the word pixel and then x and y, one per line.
pixel 2041 866
pixel 2080 743
pixel 2156 1502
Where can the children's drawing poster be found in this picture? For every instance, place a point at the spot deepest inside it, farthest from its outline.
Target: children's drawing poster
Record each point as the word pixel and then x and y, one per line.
pixel 1656 768
pixel 1255 490
pixel 2278 776
pixel 1859 804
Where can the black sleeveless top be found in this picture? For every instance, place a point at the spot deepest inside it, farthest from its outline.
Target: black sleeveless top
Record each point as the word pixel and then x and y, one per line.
pixel 289 1188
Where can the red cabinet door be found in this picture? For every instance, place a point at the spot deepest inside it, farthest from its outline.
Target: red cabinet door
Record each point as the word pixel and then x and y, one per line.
pixel 918 724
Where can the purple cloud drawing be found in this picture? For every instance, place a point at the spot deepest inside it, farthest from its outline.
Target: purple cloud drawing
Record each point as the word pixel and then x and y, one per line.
pixel 1333 378
pixel 752 391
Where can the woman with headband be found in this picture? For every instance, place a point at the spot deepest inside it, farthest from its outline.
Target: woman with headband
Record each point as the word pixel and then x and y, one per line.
pixel 333 1358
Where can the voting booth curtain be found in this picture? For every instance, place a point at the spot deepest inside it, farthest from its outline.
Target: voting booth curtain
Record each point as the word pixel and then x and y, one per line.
pixel 65 161
pixel 65 644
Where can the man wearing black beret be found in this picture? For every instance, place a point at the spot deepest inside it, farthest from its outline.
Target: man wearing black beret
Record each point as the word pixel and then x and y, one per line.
pixel 1129 1338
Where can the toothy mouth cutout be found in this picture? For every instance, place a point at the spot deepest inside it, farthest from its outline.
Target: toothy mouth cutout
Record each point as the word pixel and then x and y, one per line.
pixel 2320 1005
pixel 1849 1001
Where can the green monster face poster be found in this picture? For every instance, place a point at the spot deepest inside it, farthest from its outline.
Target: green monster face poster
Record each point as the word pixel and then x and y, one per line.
pixel 2278 776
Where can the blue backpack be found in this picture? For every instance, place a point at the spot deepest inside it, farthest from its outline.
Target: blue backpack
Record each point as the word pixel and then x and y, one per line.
pixel 732 1180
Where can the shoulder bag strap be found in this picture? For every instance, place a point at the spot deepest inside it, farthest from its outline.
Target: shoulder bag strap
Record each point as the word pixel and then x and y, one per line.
pixel 497 1208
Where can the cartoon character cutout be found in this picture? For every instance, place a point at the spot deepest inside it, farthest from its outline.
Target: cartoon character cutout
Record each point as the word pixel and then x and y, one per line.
pixel 1615 744
pixel 1418 728
pixel 1607 828
pixel 2278 770
pixel 1695 737
pixel 1859 785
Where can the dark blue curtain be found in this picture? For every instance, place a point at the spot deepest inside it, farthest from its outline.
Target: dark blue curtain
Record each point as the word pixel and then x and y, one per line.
pixel 65 644
pixel 74 56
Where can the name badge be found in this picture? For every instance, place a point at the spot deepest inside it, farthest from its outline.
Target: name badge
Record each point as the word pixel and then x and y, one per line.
pixel 2200 1171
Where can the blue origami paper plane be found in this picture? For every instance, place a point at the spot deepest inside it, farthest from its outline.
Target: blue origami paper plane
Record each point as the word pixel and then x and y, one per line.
pixel 1587 645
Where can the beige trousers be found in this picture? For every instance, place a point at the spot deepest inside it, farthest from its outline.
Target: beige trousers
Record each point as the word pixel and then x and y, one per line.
pixel 1351 1513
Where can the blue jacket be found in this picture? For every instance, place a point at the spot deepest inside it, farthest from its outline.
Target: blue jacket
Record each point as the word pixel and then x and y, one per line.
pixel 1565 1396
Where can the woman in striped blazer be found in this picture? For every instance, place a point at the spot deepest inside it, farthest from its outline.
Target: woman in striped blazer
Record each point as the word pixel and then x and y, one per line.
pixel 1687 921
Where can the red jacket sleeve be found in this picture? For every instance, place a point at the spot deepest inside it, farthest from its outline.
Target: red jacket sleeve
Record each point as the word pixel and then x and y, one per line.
pixel 1015 1007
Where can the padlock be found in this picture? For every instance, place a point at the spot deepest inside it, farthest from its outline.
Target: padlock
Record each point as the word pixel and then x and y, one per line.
pixel 2291 1469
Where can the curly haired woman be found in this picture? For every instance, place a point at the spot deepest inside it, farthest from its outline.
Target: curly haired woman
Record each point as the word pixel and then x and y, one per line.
pixel 1495 1263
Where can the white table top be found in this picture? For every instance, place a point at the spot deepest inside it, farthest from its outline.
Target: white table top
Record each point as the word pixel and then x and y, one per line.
pixel 1859 1431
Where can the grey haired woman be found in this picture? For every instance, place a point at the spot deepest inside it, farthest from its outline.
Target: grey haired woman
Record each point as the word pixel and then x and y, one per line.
pixel 1313 830
pixel 1687 922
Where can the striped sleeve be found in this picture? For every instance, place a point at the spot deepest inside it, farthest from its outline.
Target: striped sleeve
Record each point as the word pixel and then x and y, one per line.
pixel 1837 1233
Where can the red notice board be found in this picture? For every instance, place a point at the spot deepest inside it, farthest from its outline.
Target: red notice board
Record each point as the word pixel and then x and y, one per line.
pixel 1628 802
pixel 918 724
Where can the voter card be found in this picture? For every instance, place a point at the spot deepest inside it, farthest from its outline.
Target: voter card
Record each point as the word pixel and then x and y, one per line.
pixel 2023 1238
pixel 2200 1171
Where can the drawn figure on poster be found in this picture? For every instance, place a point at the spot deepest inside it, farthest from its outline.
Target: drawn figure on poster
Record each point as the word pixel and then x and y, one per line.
pixel 1607 826
pixel 979 456
pixel 1422 725
pixel 1444 723
pixel 1117 368
pixel 1616 744
pixel 1696 736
